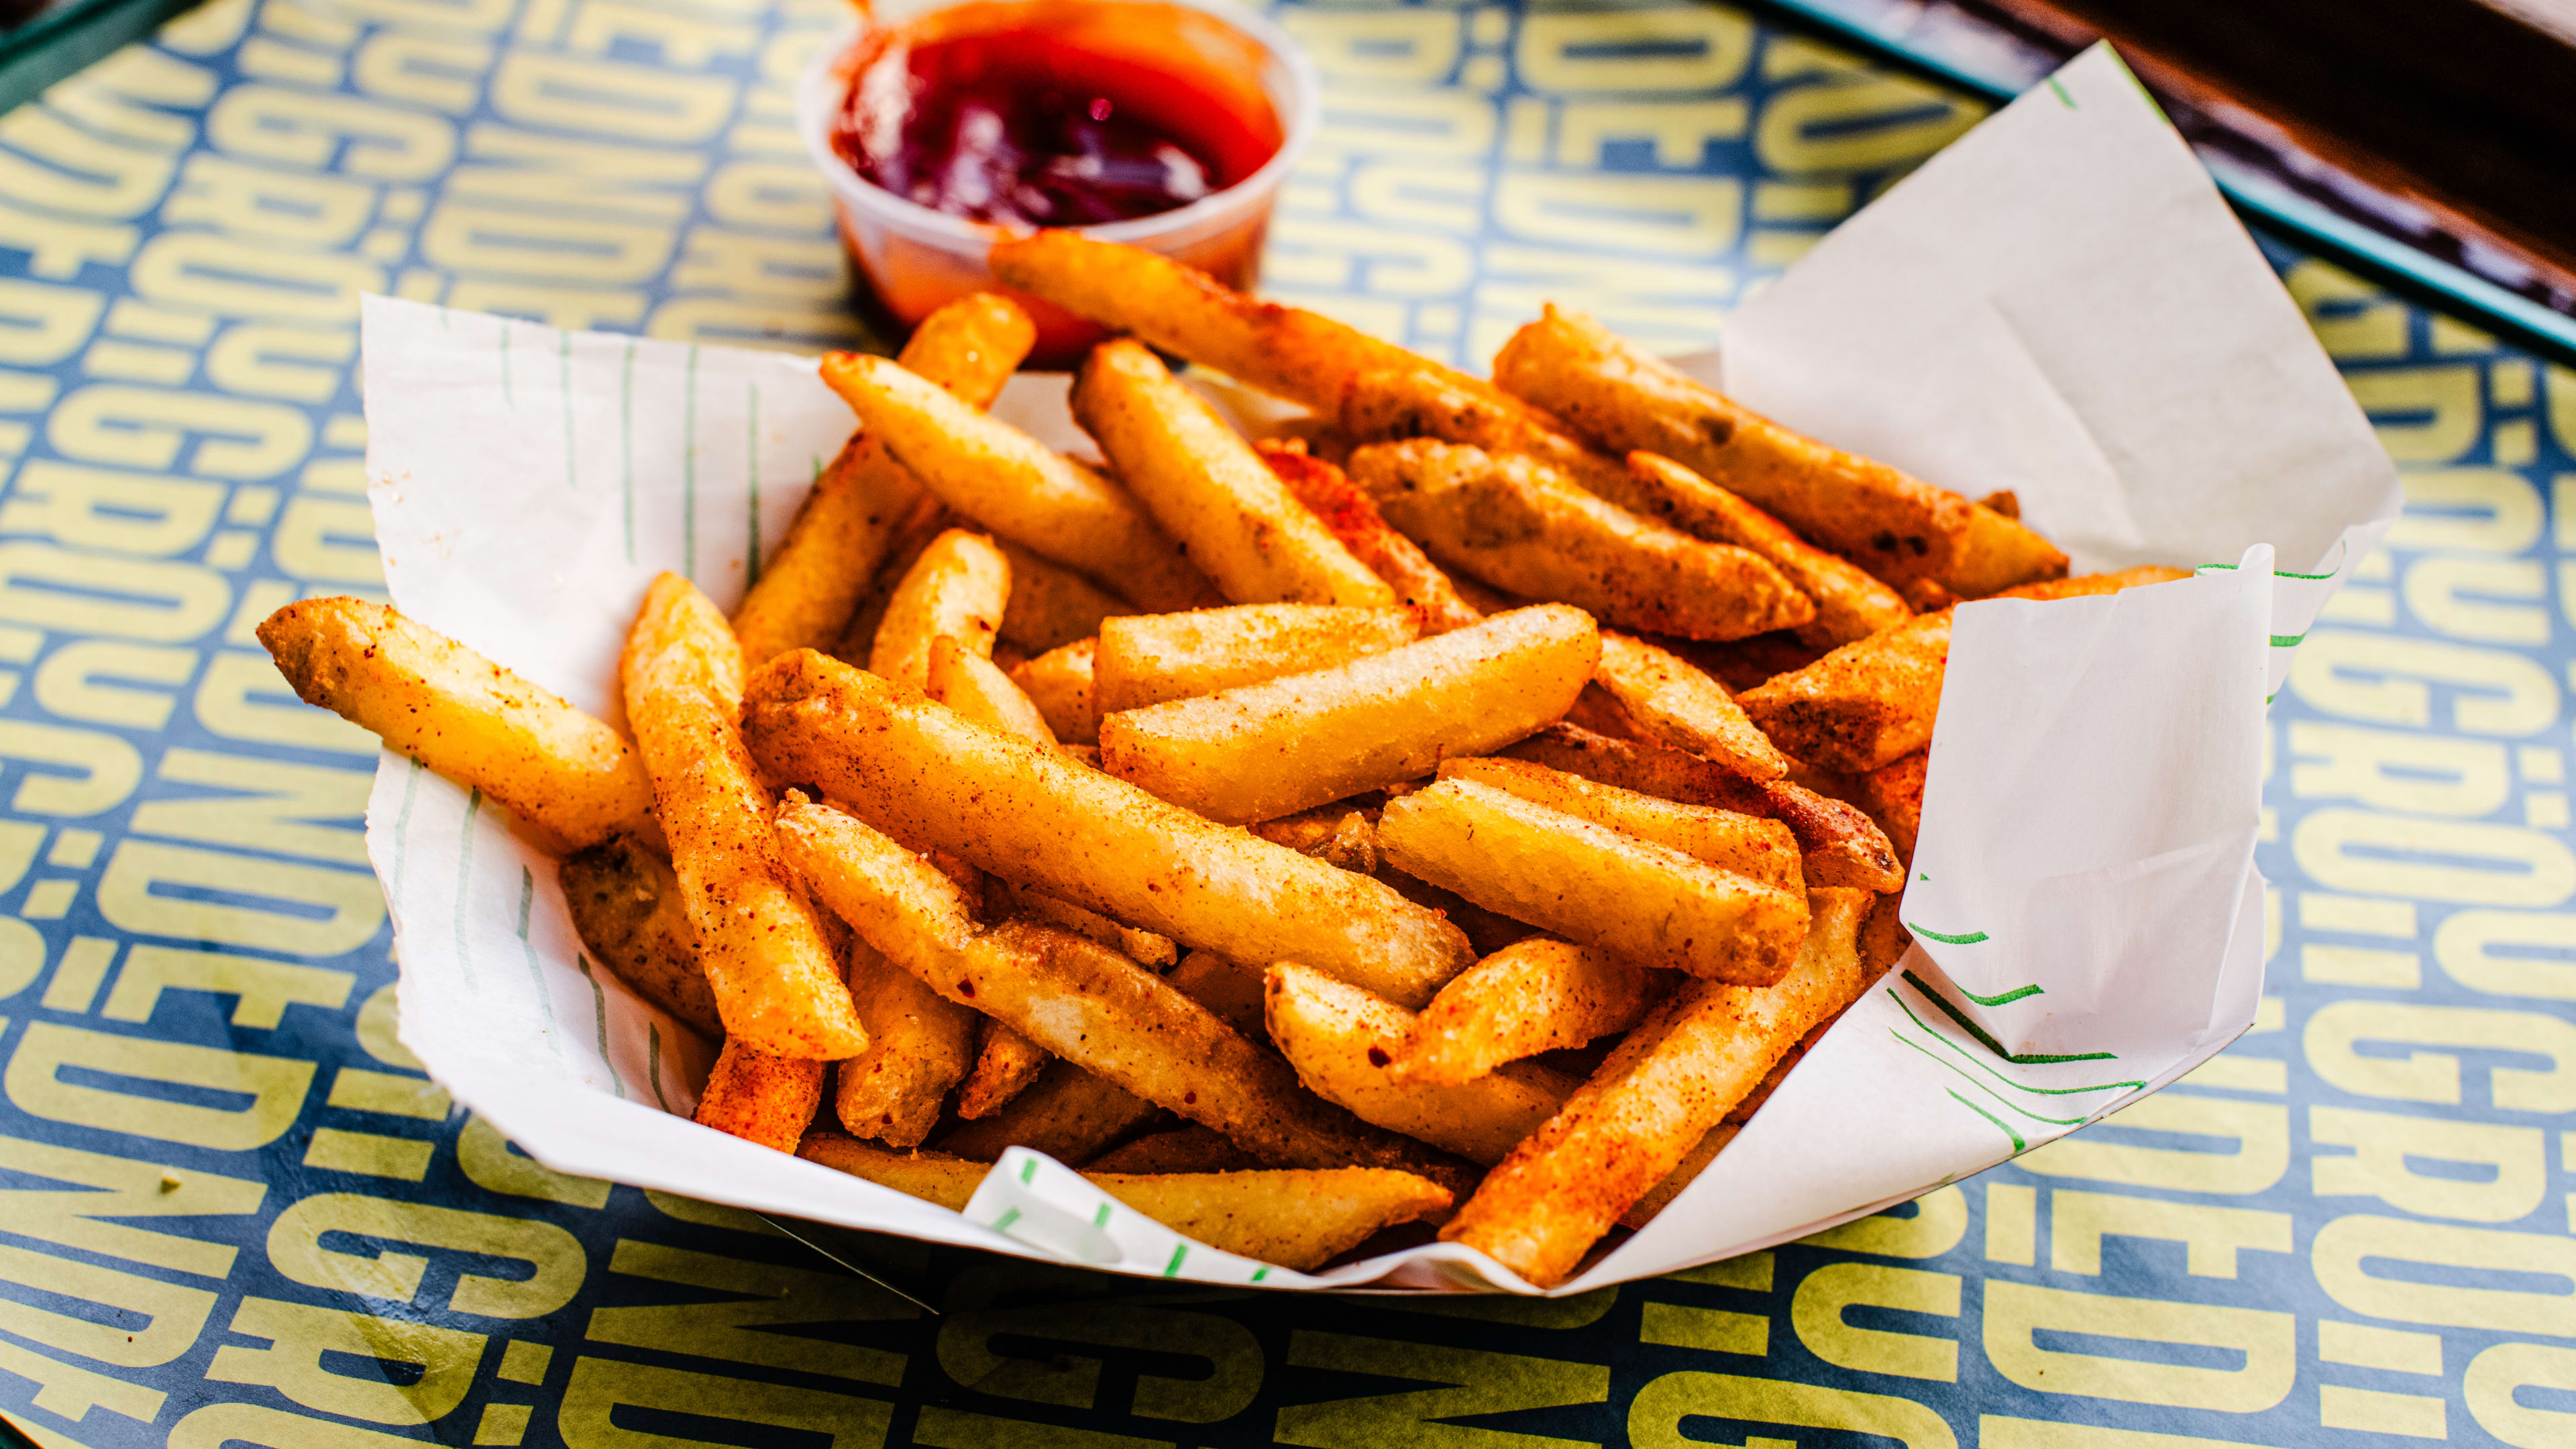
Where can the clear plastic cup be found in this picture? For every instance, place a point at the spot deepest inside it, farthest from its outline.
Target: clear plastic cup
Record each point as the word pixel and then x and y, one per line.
pixel 915 259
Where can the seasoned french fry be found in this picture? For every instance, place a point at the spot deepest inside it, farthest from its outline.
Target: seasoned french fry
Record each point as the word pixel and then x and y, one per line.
pixel 1015 486
pixel 1353 517
pixel 1059 683
pixel 1670 1081
pixel 1145 948
pixel 1004 1066
pixel 1271 749
pixel 1296 1219
pixel 1753 847
pixel 1868 703
pixel 1540 995
pixel 1694 1162
pixel 1340 1039
pixel 760 1098
pixel 912 537
pixel 1623 398
pixel 1590 883
pixel 1840 845
pixel 975 687
pixel 776 982
pixel 919 1045
pixel 1067 1113
pixel 807 591
pixel 1394 404
pixel 956 588
pixel 1850 604
pixel 1334 833
pixel 625 902
pixel 1525 528
pixel 1051 605
pixel 1149 658
pixel 1893 796
pixel 1668 700
pixel 460 714
pixel 1035 816
pixel 1209 490
pixel 1082 1001
pixel 1740 664
pixel 1227 988
pixel 1190 1149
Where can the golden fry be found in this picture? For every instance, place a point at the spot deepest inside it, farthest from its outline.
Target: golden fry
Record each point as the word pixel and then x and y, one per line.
pixel 1059 683
pixel 1265 750
pixel 1353 517
pixel 920 1044
pixel 1668 700
pixel 1004 1066
pixel 1034 816
pixel 1593 884
pixel 1067 1113
pixel 460 714
pixel 625 903
pixel 776 982
pixel 1229 989
pixel 956 588
pixel 1526 528
pixel 1333 833
pixel 1749 845
pixel 1850 603
pixel 1190 1149
pixel 810 586
pixel 1051 605
pixel 760 1098
pixel 975 687
pixel 1893 795
pixel 1209 490
pixel 1150 658
pixel 1670 1081
pixel 1340 1039
pixel 1539 995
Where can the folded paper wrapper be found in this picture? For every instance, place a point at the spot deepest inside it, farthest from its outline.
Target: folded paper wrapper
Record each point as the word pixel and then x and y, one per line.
pixel 2059 304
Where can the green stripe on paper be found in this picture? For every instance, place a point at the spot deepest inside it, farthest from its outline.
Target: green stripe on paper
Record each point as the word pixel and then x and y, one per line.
pixel 1970 939
pixel 2061 93
pixel 2023 1059
pixel 653 1062
pixel 2018 1145
pixel 1100 1219
pixel 1982 1087
pixel 2016 994
pixel 2287 641
pixel 464 880
pixel 536 973
pixel 1998 1076
pixel 1029 1171
pixel 599 1021
pixel 402 830
pixel 1172 1269
pixel 1003 1223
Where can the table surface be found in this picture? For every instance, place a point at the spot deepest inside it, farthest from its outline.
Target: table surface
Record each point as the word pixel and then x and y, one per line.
pixel 235 1213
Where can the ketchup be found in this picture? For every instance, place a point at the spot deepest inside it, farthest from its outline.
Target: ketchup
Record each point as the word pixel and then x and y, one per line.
pixel 1050 114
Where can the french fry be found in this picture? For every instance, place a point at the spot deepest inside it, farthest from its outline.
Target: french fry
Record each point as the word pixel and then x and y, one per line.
pixel 1015 486
pixel 760 1098
pixel 1264 750
pixel 1593 884
pixel 975 687
pixel 460 714
pixel 1740 664
pixel 1081 1001
pixel 912 537
pixel 1394 404
pixel 1694 1162
pixel 1190 1149
pixel 957 588
pixel 1145 948
pixel 1668 700
pixel 1150 658
pixel 1526 528
pixel 1850 603
pixel 1839 845
pixel 1333 833
pixel 1067 1113
pixel 1893 796
pixel 1353 517
pixel 1893 525
pixel 625 902
pixel 1672 1079
pixel 1209 490
pixel 1228 989
pixel 810 586
pixel 1035 816
pixel 1749 845
pixel 920 1044
pixel 1296 1219
pixel 1059 683
pixel 1340 1039
pixel 1537 996
pixel 1005 1064
pixel 1868 703
pixel 776 982
pixel 1051 605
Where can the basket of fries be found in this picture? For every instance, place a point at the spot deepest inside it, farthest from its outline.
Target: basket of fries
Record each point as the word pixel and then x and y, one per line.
pixel 1321 819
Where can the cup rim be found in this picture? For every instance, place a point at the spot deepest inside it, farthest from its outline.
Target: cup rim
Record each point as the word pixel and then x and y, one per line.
pixel 822 89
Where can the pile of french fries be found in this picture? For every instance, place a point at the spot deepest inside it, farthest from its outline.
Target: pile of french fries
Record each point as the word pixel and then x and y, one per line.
pixel 1461 809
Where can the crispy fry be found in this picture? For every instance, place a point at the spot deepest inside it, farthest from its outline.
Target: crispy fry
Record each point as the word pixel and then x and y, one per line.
pixel 912 537
pixel 975 687
pixel 1296 1219
pixel 1051 605
pixel 1840 845
pixel 956 588
pixel 1590 883
pixel 625 902
pixel 1149 658
pixel 1271 749
pixel 1145 948
pixel 1005 1064
pixel 460 714
pixel 1190 1149
pixel 1059 683
pixel 1540 995
pixel 1353 517
pixel 1037 817
pixel 1673 1078
pixel 1740 664
pixel 759 1097
pixel 1895 526
pixel 1340 1039
pixel 810 586
pixel 1209 490
pixel 1694 1162
pixel 1749 845
pixel 1668 700
pixel 1225 987
pixel 1082 1001
pixel 919 1045
pixel 1067 1113
pixel 1865 704
pixel 1334 833
pixel 1893 796
pixel 1850 604
pixel 1523 527
pixel 776 982
pixel 1010 483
